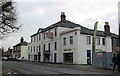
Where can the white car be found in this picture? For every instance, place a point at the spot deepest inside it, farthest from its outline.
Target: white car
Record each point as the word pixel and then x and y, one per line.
pixel 4 58
pixel 20 59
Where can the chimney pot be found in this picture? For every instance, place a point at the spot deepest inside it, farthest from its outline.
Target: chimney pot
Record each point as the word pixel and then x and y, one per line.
pixel 106 23
pixel 63 17
pixel 21 40
pixel 107 29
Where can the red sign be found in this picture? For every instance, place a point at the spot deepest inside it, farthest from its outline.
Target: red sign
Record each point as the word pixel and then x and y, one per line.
pixel 99 54
pixel 49 35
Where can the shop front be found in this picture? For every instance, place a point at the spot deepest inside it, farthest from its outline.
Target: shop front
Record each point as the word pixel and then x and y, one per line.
pixel 46 57
pixel 68 57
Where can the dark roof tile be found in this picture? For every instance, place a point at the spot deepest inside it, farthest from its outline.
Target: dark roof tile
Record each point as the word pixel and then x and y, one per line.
pixel 69 24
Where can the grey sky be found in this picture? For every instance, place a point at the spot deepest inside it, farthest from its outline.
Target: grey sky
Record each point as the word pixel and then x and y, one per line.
pixel 34 14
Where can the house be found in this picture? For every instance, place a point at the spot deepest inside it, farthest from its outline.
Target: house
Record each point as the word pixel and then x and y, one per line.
pixel 20 49
pixel 1 52
pixel 7 53
pixel 68 42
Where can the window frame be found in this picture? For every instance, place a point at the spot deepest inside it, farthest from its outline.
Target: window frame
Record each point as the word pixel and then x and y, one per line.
pixel 98 40
pixel 88 39
pixel 103 41
pixel 71 40
pixel 39 48
pixel 64 41
pixel 55 45
pixel 55 31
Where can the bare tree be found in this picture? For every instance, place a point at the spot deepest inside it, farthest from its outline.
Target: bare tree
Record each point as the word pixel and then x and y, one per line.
pixel 8 17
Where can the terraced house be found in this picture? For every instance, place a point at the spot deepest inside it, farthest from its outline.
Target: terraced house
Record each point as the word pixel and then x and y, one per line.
pixel 68 42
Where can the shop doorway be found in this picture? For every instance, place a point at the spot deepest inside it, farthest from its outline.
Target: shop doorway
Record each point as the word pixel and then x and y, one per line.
pixel 89 57
pixel 68 57
pixel 55 57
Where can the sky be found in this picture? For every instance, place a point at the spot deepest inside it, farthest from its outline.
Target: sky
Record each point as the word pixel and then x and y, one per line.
pixel 34 14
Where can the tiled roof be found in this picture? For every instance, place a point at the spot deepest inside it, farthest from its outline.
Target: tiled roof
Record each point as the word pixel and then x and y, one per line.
pixel 21 44
pixel 69 24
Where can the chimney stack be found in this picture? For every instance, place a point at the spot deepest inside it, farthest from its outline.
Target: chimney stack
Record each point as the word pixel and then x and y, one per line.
pixel 107 29
pixel 21 40
pixel 62 16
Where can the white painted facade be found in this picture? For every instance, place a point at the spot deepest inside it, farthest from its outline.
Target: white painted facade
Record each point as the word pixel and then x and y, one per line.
pixel 78 51
pixel 78 48
pixel 20 50
pixel 24 52
pixel 46 41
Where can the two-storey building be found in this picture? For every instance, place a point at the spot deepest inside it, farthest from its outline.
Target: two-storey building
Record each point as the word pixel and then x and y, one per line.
pixel 67 42
pixel 20 50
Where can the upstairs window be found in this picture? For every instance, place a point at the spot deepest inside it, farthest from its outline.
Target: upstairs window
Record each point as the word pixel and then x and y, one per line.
pixel 31 39
pixel 34 48
pixel 44 35
pixel 39 36
pixel 55 45
pixel 117 43
pixel 44 47
pixel 98 40
pixel 55 31
pixel 49 46
pixel 28 48
pixel 88 39
pixel 75 33
pixel 64 41
pixel 34 38
pixel 31 49
pixel 39 47
pixel 71 39
pixel 103 41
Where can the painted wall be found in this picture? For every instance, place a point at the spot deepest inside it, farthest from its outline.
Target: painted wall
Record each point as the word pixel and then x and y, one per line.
pixel 46 41
pixel 73 46
pixel 24 52
pixel 79 48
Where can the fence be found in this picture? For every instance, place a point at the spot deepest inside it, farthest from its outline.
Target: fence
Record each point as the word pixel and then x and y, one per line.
pixel 102 59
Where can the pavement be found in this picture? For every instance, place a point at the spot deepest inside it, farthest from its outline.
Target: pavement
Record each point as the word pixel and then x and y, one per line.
pixel 89 68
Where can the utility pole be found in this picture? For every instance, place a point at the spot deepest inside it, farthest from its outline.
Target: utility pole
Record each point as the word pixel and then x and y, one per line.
pixel 119 36
pixel 119 22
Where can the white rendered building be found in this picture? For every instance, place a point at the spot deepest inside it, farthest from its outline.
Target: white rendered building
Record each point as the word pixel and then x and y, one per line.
pixel 20 50
pixel 67 42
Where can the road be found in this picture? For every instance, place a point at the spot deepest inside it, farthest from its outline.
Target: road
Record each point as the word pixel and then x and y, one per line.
pixel 25 68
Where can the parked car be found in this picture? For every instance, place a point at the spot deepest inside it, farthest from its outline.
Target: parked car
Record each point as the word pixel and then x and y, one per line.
pixel 20 59
pixel 4 58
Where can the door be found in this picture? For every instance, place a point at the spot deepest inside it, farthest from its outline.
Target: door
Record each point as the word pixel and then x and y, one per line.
pixel 35 57
pixel 39 54
pixel 55 57
pixel 89 57
pixel 68 57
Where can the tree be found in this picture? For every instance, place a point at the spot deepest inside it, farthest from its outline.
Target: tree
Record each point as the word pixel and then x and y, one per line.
pixel 8 17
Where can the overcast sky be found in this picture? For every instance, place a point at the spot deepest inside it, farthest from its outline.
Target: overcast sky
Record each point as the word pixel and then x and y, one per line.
pixel 34 14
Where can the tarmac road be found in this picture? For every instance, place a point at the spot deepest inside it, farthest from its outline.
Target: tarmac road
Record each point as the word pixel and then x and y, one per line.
pixel 25 68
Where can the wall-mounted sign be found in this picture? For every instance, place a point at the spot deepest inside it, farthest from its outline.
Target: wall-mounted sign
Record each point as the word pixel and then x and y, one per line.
pixel 99 54
pixel 49 35
pixel 67 49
